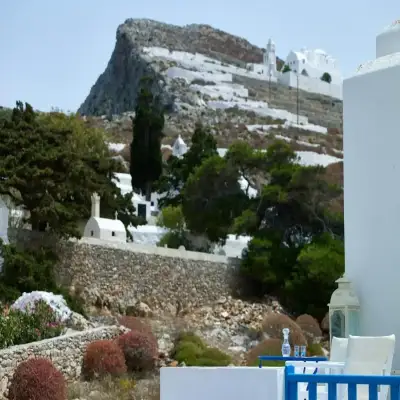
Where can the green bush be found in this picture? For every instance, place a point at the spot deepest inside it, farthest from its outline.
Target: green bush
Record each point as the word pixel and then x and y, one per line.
pixel 192 338
pixel 19 327
pixel 192 351
pixel 27 270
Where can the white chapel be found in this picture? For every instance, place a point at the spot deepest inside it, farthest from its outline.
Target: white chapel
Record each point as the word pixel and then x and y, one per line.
pixel 371 105
pixel 103 228
pixel 179 148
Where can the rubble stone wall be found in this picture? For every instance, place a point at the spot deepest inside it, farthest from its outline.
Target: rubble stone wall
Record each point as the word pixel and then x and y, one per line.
pixel 118 275
pixel 66 353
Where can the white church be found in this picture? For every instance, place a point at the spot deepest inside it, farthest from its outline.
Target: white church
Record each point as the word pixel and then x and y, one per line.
pixel 303 69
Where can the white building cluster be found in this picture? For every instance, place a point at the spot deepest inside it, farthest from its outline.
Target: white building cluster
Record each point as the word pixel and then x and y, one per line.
pixel 303 69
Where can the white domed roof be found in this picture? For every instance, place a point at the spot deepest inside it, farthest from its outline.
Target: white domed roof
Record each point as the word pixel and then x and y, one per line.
pixel 393 26
pixel 388 42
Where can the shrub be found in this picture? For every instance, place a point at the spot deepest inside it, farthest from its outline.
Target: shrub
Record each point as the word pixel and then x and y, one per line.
pixel 213 357
pixel 273 324
pixel 190 337
pixel 325 323
pixel 315 349
pixel 134 323
pixel 140 350
pixel 37 379
pixel 192 351
pixel 187 352
pixel 273 347
pixel 268 347
pixel 27 270
pixel 19 327
pixel 102 358
pixel 310 327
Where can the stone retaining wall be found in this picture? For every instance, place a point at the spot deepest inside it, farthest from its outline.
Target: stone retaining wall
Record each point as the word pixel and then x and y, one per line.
pixel 118 275
pixel 66 352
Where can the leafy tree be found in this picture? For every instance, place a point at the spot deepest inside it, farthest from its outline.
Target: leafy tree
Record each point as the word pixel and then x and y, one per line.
pixel 178 170
pixel 50 164
pixel 148 125
pixel 286 68
pixel 27 270
pixel 173 219
pixel 319 264
pixel 289 216
pixel 326 77
pixel 212 198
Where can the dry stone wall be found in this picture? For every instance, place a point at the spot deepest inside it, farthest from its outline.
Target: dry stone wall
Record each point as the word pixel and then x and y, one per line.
pixel 119 275
pixel 66 352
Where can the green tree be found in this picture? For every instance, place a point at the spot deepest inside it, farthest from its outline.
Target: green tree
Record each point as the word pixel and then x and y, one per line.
pixel 173 219
pixel 148 125
pixel 326 77
pixel 319 264
pixel 177 170
pixel 286 68
pixel 289 214
pixel 51 163
pixel 212 198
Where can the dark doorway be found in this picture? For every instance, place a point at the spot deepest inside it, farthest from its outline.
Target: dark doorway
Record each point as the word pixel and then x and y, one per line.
pixel 142 210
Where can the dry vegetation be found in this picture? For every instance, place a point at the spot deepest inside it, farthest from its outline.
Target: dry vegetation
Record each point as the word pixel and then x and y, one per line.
pixel 126 388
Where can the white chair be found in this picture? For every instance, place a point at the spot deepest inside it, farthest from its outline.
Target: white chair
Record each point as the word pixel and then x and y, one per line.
pixel 338 349
pixel 369 356
pixel 364 356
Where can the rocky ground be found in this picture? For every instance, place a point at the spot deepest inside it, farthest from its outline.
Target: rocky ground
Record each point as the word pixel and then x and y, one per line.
pixel 232 325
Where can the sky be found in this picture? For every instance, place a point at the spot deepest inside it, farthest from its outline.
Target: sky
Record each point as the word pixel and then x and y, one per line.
pixel 52 52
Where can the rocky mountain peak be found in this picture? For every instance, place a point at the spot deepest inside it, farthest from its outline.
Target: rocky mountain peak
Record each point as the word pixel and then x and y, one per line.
pixel 194 38
pixel 201 74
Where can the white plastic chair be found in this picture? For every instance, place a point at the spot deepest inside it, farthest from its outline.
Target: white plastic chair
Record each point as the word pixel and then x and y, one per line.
pixel 364 356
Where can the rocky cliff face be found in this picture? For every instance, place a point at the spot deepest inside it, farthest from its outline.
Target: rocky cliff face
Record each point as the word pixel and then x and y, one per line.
pixel 201 74
pixel 116 89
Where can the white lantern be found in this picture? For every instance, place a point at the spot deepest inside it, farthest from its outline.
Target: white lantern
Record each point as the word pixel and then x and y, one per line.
pixel 344 311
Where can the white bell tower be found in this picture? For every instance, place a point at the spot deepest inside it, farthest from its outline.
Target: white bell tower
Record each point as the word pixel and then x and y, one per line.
pixel 270 59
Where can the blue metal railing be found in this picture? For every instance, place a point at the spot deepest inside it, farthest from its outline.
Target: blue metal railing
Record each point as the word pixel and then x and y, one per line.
pixel 292 380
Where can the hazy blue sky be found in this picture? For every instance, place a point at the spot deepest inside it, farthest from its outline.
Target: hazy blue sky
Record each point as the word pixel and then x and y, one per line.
pixel 51 52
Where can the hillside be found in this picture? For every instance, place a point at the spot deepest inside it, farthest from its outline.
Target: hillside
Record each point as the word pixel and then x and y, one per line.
pixel 201 75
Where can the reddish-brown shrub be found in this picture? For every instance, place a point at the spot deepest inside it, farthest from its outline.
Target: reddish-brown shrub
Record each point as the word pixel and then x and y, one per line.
pixel 268 347
pixel 325 323
pixel 37 379
pixel 274 323
pixel 140 350
pixel 103 357
pixel 134 323
pixel 310 327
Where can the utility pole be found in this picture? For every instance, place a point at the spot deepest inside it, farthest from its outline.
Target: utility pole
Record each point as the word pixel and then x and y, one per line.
pixel 297 100
pixel 269 85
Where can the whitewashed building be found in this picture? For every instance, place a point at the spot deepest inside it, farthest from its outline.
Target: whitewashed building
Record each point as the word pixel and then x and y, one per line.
pixel 307 67
pixel 314 63
pixel 143 207
pixel 371 105
pixel 103 228
pixel 179 148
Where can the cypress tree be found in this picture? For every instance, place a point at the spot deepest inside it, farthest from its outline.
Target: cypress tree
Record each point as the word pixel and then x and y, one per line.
pixel 148 125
